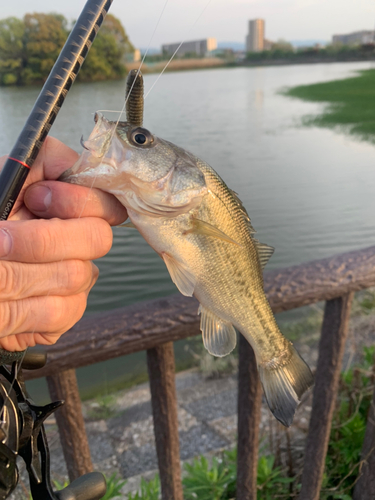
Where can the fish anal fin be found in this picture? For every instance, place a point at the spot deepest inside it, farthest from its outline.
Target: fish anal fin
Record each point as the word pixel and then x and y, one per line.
pixel 284 382
pixel 127 224
pixel 265 252
pixel 207 229
pixel 181 276
pixel 219 336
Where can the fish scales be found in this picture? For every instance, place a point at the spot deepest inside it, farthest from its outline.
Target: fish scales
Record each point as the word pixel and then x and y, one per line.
pixel 233 273
pixel 201 230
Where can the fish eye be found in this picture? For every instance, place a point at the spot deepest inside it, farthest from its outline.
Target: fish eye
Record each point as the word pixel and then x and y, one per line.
pixel 141 137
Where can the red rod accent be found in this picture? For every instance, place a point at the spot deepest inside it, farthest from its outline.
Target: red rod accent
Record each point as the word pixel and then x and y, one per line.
pixel 19 161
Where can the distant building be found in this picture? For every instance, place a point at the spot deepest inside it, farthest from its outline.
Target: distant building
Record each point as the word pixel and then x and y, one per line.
pixel 133 56
pixel 255 37
pixel 267 44
pixel 356 38
pixel 198 47
pixel 137 55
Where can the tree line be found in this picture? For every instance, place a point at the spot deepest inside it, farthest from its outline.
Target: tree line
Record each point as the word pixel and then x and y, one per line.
pixel 285 50
pixel 30 46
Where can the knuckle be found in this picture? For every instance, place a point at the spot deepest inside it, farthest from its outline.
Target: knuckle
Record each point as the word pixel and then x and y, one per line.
pixel 8 288
pixel 66 312
pixel 44 244
pixel 102 236
pixel 56 314
pixel 11 314
pixel 78 275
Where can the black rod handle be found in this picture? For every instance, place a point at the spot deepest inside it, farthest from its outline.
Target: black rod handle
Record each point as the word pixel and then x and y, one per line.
pixel 49 102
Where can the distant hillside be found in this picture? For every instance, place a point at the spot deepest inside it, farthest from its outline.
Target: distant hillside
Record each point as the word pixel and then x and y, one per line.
pixel 231 45
pixel 307 43
pixel 151 50
pixel 296 43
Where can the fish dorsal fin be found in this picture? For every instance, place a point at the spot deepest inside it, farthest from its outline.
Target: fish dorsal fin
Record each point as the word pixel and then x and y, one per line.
pixel 219 336
pixel 243 211
pixel 265 252
pixel 202 227
pixel 127 224
pixel 181 276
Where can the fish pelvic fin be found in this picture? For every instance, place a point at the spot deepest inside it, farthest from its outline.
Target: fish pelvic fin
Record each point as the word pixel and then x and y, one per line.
pixel 181 276
pixel 219 336
pixel 284 380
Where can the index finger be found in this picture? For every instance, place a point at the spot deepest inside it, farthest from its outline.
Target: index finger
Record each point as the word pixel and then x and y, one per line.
pixel 50 199
pixel 54 240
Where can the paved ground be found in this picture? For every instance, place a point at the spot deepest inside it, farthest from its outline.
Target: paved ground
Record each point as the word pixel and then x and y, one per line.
pixel 207 412
pixel 124 443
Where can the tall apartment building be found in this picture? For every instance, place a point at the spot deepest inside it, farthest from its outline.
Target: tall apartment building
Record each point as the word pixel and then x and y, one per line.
pixel 255 37
pixel 199 47
pixel 356 38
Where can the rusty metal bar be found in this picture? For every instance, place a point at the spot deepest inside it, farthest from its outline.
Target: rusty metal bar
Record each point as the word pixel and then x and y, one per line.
pixel 331 349
pixel 69 418
pixel 249 405
pixel 145 325
pixel 365 487
pixel 161 370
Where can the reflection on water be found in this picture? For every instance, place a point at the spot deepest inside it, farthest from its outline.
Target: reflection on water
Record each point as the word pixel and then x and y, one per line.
pixel 309 191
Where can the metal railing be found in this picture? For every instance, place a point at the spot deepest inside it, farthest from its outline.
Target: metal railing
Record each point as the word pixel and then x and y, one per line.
pixel 154 326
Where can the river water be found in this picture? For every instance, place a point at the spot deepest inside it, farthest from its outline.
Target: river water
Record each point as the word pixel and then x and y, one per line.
pixel 309 191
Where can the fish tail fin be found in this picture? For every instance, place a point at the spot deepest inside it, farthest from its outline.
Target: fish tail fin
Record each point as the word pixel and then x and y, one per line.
pixel 284 381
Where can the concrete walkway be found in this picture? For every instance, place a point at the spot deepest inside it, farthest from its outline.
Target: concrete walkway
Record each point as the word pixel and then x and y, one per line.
pixel 207 412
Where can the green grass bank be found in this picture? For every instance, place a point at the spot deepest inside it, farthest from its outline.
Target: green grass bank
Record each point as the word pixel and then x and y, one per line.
pixel 350 104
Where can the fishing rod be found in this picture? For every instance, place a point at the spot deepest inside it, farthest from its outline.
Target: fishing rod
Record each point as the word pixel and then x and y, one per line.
pixel 46 107
pixel 49 102
pixel 21 421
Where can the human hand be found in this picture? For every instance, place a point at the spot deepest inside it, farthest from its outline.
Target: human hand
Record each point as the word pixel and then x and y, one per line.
pixel 46 247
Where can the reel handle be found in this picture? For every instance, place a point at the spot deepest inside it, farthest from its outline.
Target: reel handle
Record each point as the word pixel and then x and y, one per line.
pixel 91 486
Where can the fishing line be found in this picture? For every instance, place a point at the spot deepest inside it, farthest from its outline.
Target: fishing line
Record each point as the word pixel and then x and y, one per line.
pixel 126 100
pixel 111 137
pixel 178 48
pixel 135 79
pixel 143 58
pixel 121 112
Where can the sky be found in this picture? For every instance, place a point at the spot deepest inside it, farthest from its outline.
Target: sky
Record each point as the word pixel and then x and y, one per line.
pixel 225 20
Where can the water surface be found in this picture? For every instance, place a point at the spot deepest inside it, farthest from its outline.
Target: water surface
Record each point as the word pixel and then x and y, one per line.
pixel 309 191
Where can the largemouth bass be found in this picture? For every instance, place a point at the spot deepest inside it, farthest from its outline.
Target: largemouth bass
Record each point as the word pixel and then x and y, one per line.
pixel 201 230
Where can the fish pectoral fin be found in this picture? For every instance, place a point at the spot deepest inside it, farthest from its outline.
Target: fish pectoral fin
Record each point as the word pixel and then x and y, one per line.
pixel 202 227
pixel 265 252
pixel 284 382
pixel 181 276
pixel 127 224
pixel 219 336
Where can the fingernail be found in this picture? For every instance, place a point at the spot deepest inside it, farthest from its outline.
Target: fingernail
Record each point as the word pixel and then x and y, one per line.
pixel 39 198
pixel 5 243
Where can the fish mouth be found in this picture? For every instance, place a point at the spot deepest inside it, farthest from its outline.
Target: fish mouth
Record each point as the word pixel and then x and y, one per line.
pixel 150 182
pixel 85 169
pixel 99 162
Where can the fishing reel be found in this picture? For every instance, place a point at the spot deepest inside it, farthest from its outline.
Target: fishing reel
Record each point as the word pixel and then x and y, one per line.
pixel 22 434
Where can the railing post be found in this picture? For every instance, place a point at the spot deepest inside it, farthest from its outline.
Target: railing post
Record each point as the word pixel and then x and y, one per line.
pixel 331 349
pixel 249 404
pixel 69 418
pixel 161 370
pixel 365 487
